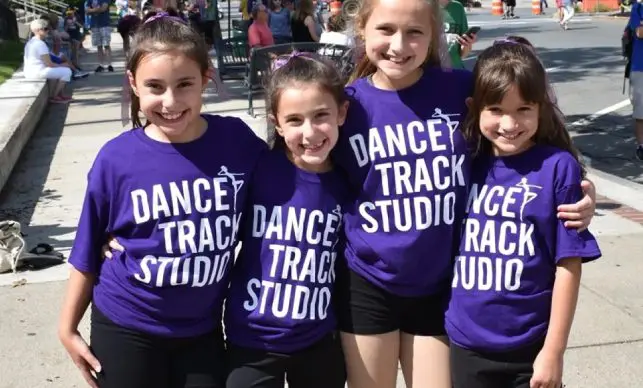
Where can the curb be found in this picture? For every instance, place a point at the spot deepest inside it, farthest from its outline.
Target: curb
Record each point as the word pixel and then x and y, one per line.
pixel 615 188
pixel 22 103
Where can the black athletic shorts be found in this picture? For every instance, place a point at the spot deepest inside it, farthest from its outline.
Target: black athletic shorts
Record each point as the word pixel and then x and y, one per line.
pixel 510 369
pixel 366 309
pixel 318 366
pixel 131 359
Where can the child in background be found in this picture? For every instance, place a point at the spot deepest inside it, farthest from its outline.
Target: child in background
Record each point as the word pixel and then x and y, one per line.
pixel 127 24
pixel 73 28
pixel 172 192
pixel 518 269
pixel 279 316
pixel 279 22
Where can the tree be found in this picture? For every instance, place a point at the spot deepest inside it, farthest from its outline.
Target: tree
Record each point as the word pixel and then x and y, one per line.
pixel 8 22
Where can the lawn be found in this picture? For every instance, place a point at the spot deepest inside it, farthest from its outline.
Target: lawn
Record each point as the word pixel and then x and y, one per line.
pixel 11 58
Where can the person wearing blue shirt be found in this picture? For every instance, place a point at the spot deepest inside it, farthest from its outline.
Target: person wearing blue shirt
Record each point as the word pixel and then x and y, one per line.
pixel 636 75
pixel 101 32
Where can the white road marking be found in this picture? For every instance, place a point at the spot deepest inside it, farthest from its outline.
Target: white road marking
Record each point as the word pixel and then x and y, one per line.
pixel 587 120
pixel 501 22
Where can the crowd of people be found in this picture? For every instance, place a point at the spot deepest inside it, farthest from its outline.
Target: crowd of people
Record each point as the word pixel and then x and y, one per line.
pixel 416 215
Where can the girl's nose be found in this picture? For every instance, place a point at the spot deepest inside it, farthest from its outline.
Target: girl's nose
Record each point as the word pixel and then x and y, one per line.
pixel 508 123
pixel 397 42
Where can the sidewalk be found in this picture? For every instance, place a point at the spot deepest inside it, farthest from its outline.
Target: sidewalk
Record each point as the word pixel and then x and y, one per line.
pixel 46 191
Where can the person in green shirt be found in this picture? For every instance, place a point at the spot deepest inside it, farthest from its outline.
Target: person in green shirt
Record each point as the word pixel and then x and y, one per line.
pixel 455 25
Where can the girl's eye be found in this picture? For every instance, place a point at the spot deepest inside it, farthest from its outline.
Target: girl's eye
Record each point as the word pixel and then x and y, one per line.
pixel 321 115
pixel 185 84
pixel 386 30
pixel 415 32
pixel 155 88
pixel 494 110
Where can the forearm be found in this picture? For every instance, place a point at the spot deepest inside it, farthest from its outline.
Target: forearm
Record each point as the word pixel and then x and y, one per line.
pixel 77 298
pixel 563 306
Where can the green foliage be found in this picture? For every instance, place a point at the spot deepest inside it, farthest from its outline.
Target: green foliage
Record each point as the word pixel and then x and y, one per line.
pixel 11 58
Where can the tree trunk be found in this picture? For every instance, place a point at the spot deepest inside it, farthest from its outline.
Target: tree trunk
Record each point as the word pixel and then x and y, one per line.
pixel 8 22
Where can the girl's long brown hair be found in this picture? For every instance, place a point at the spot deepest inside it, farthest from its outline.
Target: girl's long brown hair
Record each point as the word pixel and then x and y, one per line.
pixel 499 68
pixel 434 57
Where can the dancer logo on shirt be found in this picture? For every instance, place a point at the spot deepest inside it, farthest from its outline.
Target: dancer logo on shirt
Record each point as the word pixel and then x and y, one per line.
pixel 199 222
pixel 416 192
pixel 497 236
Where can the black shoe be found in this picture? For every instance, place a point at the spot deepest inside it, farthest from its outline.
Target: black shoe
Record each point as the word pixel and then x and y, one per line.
pixel 639 153
pixel 110 69
pixel 99 69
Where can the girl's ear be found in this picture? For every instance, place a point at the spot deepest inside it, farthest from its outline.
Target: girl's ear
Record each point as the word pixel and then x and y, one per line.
pixel 274 122
pixel 341 114
pixel 204 83
pixel 132 82
pixel 469 102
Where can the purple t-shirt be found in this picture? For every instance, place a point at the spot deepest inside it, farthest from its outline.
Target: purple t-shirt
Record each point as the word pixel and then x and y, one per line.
pixel 406 160
pixel 282 281
pixel 510 245
pixel 176 208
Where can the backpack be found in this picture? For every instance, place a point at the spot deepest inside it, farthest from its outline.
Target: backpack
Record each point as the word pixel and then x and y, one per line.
pixel 12 245
pixel 14 255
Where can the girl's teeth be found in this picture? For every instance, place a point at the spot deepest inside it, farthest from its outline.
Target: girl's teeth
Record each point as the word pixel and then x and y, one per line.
pixel 313 146
pixel 173 116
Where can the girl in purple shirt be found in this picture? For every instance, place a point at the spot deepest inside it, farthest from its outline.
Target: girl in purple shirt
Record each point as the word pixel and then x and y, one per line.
pixel 172 191
pixel 518 268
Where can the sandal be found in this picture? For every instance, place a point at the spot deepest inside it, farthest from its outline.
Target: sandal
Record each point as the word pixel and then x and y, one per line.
pixel 59 100
pixel 41 257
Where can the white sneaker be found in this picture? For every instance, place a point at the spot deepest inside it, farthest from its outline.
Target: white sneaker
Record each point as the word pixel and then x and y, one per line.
pixel 80 74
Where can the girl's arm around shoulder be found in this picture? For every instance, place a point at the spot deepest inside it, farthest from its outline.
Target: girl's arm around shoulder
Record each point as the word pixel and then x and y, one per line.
pixel 237 133
pixel 570 242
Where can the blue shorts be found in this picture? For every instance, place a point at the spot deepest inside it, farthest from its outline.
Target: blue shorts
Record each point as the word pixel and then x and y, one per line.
pixel 56 59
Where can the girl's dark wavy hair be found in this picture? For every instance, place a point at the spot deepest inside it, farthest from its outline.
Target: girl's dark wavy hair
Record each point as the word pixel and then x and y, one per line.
pixel 499 68
pixel 306 68
pixel 159 36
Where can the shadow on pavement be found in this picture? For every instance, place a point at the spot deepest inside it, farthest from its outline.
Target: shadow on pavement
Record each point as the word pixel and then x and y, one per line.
pixel 25 188
pixel 610 144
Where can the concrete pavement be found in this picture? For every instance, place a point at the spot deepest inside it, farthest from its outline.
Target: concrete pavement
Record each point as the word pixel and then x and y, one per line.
pixel 46 190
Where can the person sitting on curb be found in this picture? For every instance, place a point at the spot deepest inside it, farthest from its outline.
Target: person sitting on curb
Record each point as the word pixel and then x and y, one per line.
pixel 38 64
pixel 61 59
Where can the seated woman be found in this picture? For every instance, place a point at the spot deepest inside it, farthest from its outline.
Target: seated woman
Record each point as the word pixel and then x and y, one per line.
pixel 259 34
pixel 38 64
pixel 335 32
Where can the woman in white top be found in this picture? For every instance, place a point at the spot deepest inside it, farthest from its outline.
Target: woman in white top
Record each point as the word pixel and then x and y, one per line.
pixel 336 32
pixel 38 65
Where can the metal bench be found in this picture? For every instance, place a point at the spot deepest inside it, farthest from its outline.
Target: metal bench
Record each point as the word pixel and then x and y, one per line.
pixel 261 60
pixel 233 57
